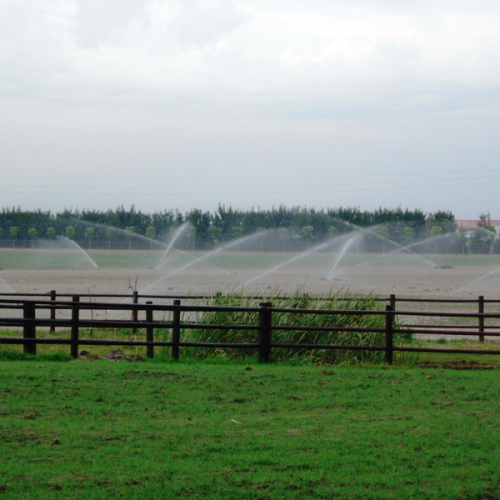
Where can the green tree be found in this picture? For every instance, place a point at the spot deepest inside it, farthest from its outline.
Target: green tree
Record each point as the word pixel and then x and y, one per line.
pixel 14 233
pixel 332 232
pixel 150 233
pixel 69 232
pixel 32 234
pixel 462 240
pixel 214 234
pixel 110 233
pixel 383 232
pixel 308 233
pixel 130 229
pixel 409 234
pixel 284 236
pixel 235 232
pixel 436 231
pixel 51 233
pixel 90 233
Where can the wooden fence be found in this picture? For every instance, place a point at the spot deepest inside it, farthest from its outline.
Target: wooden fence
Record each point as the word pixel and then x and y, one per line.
pixel 24 315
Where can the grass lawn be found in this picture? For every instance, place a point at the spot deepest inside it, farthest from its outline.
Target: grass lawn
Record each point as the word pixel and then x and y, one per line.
pixel 156 430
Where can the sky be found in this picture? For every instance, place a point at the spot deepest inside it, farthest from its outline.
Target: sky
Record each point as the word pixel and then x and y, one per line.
pixel 182 104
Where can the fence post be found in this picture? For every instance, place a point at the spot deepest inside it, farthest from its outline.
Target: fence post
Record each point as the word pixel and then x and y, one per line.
pixel 389 339
pixel 150 351
pixel 265 331
pixel 176 329
pixel 75 318
pixel 392 301
pixel 29 330
pixel 481 318
pixel 135 300
pixel 52 310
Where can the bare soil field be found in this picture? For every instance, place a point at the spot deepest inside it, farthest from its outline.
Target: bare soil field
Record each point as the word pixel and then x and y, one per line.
pixel 450 277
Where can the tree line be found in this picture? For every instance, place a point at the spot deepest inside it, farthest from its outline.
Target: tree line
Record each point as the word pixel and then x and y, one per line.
pixel 225 224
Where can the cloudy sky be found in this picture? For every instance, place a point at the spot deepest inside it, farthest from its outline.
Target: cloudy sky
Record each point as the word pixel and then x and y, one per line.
pixel 190 103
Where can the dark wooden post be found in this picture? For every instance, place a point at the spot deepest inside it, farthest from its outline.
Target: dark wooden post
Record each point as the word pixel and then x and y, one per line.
pixel 389 340
pixel 481 318
pixel 52 310
pixel 150 351
pixel 176 329
pixel 265 331
pixel 29 330
pixel 135 300
pixel 392 302
pixel 75 318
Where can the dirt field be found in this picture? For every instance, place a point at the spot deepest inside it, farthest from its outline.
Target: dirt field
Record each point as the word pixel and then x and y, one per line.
pixel 259 273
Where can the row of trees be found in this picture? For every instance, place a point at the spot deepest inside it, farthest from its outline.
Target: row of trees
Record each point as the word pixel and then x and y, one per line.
pixel 223 225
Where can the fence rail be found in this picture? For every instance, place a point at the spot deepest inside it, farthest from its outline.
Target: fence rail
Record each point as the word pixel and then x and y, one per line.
pixel 25 315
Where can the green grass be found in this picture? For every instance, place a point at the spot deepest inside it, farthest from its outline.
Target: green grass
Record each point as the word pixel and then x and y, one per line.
pixel 41 258
pixel 97 430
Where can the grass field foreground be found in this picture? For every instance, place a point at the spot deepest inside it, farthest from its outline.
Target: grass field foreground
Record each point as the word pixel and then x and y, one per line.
pixel 154 430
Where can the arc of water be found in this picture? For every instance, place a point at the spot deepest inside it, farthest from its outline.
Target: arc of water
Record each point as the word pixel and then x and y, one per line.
pixel 478 279
pixel 9 288
pixel 73 244
pixel 293 259
pixel 343 251
pixel 176 235
pixel 401 249
pixel 203 258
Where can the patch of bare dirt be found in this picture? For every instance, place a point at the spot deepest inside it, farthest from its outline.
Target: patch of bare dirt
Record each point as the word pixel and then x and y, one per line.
pixel 114 355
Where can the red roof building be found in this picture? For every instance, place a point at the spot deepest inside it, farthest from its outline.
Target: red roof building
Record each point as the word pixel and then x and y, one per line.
pixel 470 225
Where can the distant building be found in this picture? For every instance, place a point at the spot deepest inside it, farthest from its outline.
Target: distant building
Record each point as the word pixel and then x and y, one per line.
pixel 471 225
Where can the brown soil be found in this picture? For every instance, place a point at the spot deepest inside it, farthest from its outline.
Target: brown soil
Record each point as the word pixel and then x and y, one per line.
pixel 404 282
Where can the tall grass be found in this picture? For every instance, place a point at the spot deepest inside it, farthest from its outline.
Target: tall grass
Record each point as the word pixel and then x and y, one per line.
pixel 343 301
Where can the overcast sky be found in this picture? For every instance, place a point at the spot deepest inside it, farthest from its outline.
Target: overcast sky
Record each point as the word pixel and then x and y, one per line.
pixel 191 103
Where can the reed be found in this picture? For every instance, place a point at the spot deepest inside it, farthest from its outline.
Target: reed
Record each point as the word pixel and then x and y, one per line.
pixel 343 301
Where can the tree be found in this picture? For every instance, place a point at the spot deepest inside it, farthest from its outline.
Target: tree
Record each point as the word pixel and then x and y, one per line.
pixel 51 233
pixel 90 233
pixel 308 233
pixel 284 235
pixel 130 229
pixel 214 234
pixel 409 234
pixel 383 232
pixel 70 232
pixel 235 232
pixel 485 222
pixel 110 233
pixel 436 231
pixel 332 232
pixel 14 233
pixel 150 233
pixel 462 239
pixel 33 234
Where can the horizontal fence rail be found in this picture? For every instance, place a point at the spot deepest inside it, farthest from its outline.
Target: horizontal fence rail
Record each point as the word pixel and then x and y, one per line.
pixel 30 315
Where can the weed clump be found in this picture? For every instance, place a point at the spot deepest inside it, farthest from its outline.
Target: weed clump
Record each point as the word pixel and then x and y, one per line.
pixel 342 303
